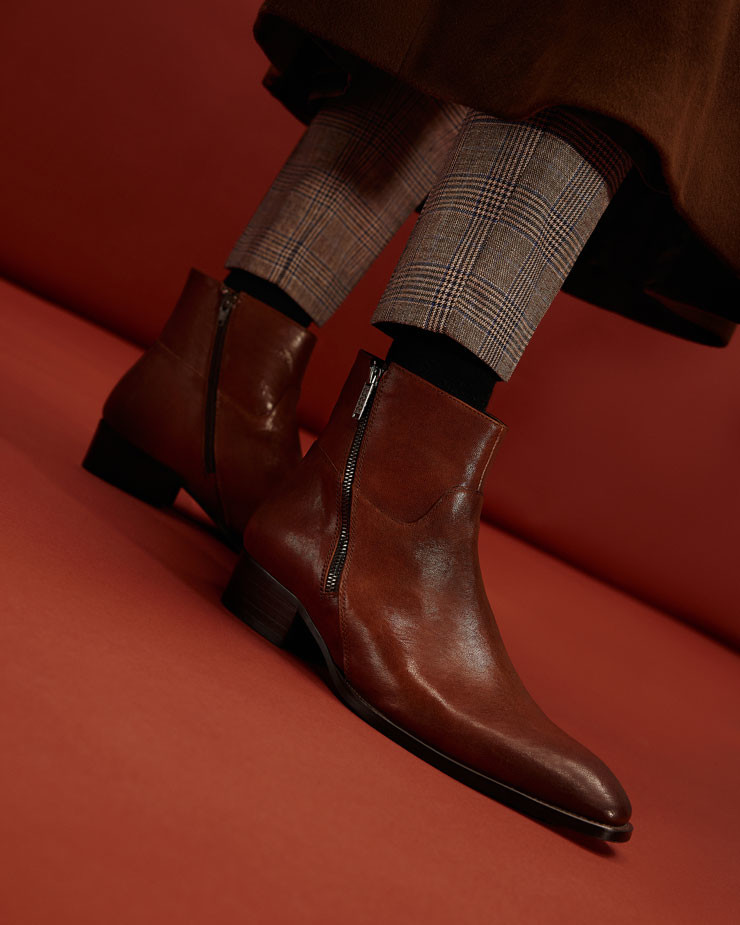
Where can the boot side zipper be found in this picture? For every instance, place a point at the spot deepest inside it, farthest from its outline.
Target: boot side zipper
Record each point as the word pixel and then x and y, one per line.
pixel 228 300
pixel 361 414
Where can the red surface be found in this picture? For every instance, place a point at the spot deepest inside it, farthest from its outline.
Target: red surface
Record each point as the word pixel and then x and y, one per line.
pixel 138 143
pixel 162 763
pixel 623 457
pixel 139 140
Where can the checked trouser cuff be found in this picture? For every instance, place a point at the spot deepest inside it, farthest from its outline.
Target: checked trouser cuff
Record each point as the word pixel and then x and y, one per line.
pixel 364 165
pixel 509 206
pixel 501 229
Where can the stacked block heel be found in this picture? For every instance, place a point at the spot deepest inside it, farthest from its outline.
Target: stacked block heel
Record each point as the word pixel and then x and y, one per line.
pixel 260 601
pixel 112 458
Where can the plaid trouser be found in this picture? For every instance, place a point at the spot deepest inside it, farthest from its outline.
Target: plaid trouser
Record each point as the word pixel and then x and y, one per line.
pixel 509 205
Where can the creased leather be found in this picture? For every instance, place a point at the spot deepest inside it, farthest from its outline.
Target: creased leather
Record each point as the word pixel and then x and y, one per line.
pixel 411 626
pixel 159 404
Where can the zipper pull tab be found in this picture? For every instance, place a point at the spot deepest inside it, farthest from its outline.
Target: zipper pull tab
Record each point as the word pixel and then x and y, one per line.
pixel 376 371
pixel 228 301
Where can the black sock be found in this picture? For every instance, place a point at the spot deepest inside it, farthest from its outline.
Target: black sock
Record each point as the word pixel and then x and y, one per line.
pixel 443 362
pixel 269 293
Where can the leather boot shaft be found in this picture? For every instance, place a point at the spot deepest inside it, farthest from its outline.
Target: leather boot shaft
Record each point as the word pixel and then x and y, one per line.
pixel 214 398
pixel 410 459
pixel 375 535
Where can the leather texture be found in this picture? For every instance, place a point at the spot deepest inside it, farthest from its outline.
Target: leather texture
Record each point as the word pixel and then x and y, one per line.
pixel 164 763
pixel 411 627
pixel 160 404
pixel 614 423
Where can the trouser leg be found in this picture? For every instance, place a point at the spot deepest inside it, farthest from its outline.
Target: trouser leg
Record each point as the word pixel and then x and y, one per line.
pixel 361 168
pixel 500 231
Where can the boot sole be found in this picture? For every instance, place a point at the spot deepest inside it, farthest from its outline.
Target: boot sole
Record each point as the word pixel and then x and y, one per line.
pixel 117 461
pixel 270 609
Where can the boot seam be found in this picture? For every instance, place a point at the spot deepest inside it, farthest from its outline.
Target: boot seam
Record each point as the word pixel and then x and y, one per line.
pixel 158 344
pixel 251 416
pixel 494 448
pixel 226 397
pixel 455 489
pixel 326 456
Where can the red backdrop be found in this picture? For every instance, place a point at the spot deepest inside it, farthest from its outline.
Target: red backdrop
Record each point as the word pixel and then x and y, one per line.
pixel 137 142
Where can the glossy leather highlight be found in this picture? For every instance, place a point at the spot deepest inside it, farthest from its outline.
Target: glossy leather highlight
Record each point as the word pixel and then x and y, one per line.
pixel 160 403
pixel 410 627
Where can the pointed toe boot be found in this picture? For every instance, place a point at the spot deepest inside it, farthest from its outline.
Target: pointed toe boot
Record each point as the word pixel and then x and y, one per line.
pixel 371 543
pixel 210 407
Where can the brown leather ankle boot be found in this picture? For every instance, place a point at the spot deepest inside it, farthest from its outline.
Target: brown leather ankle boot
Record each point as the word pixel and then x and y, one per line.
pixel 210 407
pixel 372 544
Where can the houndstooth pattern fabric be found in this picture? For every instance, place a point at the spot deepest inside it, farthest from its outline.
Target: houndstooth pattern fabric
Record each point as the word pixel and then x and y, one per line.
pixel 501 229
pixel 363 165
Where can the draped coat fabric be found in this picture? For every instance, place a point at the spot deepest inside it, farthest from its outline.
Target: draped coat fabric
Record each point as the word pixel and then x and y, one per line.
pixel 662 78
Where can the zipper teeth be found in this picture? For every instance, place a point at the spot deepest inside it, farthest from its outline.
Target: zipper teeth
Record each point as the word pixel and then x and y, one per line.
pixel 340 553
pixel 225 306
